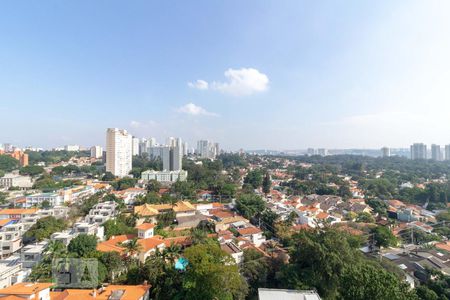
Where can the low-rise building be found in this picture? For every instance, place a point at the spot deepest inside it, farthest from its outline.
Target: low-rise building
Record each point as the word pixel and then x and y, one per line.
pixel 11 272
pixel 102 212
pixel 27 290
pixel 164 176
pixel 16 180
pixel 234 250
pixel 37 200
pixel 32 254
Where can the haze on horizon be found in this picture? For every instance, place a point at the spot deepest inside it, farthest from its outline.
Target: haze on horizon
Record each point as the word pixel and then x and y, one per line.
pixel 247 74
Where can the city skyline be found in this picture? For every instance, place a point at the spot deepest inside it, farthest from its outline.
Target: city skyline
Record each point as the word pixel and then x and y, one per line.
pixel 250 75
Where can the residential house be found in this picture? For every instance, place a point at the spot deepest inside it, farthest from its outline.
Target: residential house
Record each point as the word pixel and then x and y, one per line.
pixel 102 212
pixel 27 290
pixel 254 234
pixel 32 254
pixel 234 250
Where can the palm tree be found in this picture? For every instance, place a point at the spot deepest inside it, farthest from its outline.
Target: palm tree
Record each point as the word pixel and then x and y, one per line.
pixel 132 247
pixel 198 236
pixel 172 252
pixel 55 249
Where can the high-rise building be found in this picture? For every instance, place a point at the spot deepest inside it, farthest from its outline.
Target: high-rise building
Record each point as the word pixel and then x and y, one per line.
pixel 207 149
pixel 447 152
pixel 135 146
pixel 118 152
pixel 322 152
pixel 176 159
pixel 385 152
pixel 216 149
pixel 96 152
pixel 311 151
pixel 185 149
pixel 436 152
pixel 418 151
pixel 144 146
pixel 171 141
pixel 7 147
pixel 172 158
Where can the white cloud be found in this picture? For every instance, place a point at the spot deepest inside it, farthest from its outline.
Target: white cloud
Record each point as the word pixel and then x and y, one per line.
pixel 194 110
pixel 135 124
pixel 240 82
pixel 243 82
pixel 199 84
pixel 138 124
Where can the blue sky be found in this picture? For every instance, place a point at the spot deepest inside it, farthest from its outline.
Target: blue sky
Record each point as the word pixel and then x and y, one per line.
pixel 251 74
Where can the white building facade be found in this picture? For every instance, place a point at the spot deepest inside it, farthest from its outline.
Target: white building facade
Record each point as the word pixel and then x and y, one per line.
pixel 119 152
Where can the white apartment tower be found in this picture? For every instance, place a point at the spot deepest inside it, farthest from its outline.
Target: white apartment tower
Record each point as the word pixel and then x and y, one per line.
pixel 447 152
pixel 96 151
pixel 207 149
pixel 418 151
pixel 135 145
pixel 118 152
pixel 385 152
pixel 436 152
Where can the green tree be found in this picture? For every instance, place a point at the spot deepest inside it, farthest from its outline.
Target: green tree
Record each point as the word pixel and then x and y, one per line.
pixel 31 170
pixel 43 229
pixel 153 186
pixel 254 178
pixel 368 282
pixel 7 163
pixel 212 274
pixel 255 269
pixel 318 260
pixel 132 247
pixel 383 237
pixel 114 264
pixel 365 217
pixel 266 184
pixel 250 205
pixel 83 245
pixel 108 176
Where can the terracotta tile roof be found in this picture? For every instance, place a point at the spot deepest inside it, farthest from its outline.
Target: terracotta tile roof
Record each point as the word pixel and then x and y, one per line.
pixel 113 244
pixel 150 244
pixel 18 211
pixel 3 222
pixel 25 288
pixel 221 213
pixel 443 246
pixel 146 210
pixel 182 206
pixel 145 226
pixel 130 292
pixel 249 230
pixel 322 215
pixel 299 227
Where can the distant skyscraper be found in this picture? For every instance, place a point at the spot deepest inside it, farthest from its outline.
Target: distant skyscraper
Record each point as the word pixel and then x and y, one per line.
pixel 436 152
pixel 165 150
pixel 119 152
pixel 447 152
pixel 96 152
pixel 135 146
pixel 171 141
pixel 322 152
pixel 185 149
pixel 385 152
pixel 216 149
pixel 172 158
pixel 206 149
pixel 418 151
pixel 311 151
